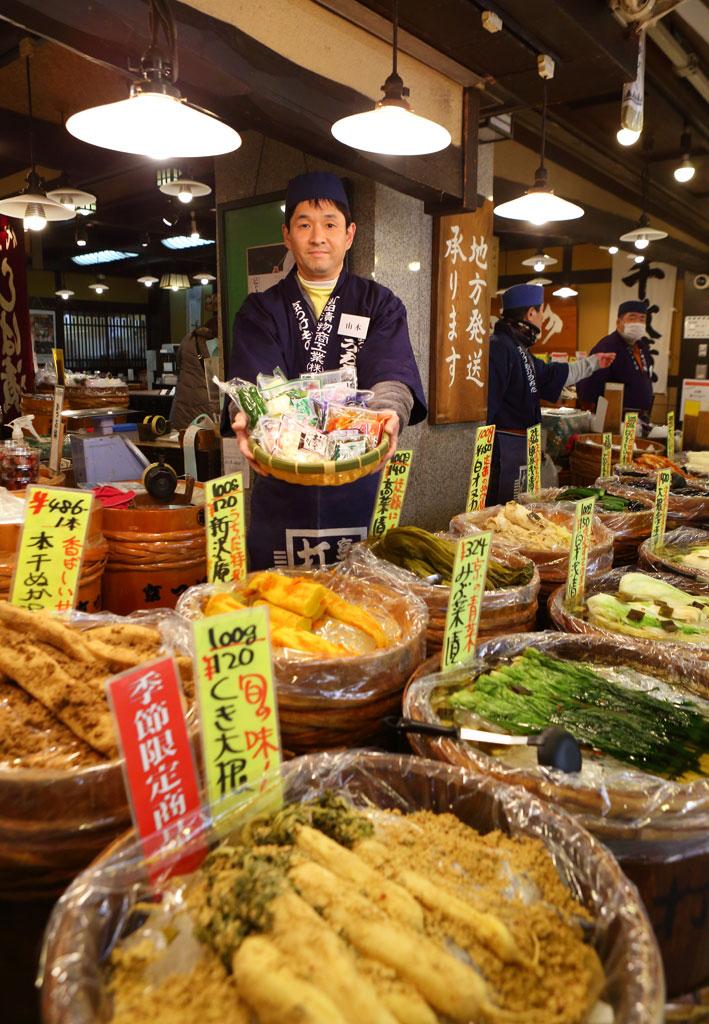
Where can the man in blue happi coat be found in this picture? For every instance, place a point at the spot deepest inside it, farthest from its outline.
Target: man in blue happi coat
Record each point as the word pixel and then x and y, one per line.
pixel 633 363
pixel 517 382
pixel 320 317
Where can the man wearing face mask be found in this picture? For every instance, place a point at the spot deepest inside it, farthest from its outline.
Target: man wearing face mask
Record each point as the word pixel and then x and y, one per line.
pixel 518 381
pixel 633 364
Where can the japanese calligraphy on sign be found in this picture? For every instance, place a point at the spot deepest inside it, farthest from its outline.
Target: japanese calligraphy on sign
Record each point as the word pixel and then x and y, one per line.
pixel 237 701
pixel 55 451
pixel 392 491
pixel 461 316
pixel 225 527
pixel 51 548
pixel 627 440
pixel 480 469
pixel 578 553
pixel 606 455
pixel 158 766
pixel 659 511
pixel 467 589
pixel 671 435
pixel 15 341
pixel 534 458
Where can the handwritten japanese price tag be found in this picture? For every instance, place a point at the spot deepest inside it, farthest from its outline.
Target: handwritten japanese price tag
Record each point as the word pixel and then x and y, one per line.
pixel 659 511
pixel 237 702
pixel 578 553
pixel 467 589
pixel 392 490
pixel 627 440
pixel 226 535
pixel 606 455
pixel 55 451
pixel 51 548
pixel 158 766
pixel 534 458
pixel 671 435
pixel 480 469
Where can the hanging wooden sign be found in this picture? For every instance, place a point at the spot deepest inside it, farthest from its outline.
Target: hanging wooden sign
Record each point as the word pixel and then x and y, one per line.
pixel 460 316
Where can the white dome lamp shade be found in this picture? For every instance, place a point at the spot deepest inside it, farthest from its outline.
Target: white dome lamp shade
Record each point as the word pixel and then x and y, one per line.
pixel 204 278
pixel 171 183
pixel 99 287
pixel 64 293
pixel 543 281
pixel 148 280
pixel 565 291
pixel 643 234
pixel 75 200
pixel 392 128
pixel 155 121
pixel 539 204
pixel 539 262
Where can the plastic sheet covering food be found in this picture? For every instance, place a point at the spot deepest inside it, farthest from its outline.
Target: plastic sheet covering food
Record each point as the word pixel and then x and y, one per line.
pixel 561 425
pixel 611 798
pixel 552 562
pixel 671 555
pixel 629 528
pixel 329 702
pixel 685 505
pixel 61 801
pixel 576 620
pixel 100 908
pixel 506 610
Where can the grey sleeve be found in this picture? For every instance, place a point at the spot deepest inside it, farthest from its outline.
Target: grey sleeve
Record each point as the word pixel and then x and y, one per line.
pixel 393 394
pixel 581 369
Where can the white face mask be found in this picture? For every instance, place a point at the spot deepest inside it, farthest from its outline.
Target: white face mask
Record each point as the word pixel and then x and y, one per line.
pixel 633 332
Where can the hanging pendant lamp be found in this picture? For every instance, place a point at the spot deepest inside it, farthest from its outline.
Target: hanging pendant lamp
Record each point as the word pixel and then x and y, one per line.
pixel 540 204
pixel 642 234
pixel 33 204
pixel 392 128
pixel 75 199
pixel 156 121
pixel 540 261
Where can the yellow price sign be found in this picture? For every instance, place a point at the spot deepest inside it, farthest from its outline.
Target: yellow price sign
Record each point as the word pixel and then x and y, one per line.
pixel 237 705
pixel 465 603
pixel 670 435
pixel 627 441
pixel 534 459
pixel 226 529
pixel 392 491
pixel 659 511
pixel 480 469
pixel 51 548
pixel 606 455
pixel 579 550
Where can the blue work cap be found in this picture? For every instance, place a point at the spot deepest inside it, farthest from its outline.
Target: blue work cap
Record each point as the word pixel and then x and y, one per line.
pixel 316 185
pixel 522 296
pixel 633 306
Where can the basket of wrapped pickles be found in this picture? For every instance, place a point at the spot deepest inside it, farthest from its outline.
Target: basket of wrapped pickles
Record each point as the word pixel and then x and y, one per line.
pixel 423 562
pixel 684 551
pixel 343 648
pixel 689 492
pixel 315 430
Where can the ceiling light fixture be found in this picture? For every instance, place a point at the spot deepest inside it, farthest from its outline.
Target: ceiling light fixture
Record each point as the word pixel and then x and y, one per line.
pixel 156 121
pixel 145 241
pixel 185 242
pixel 171 183
pixel 539 204
pixel 612 250
pixel 74 199
pixel 392 127
pixel 643 234
pixel 148 280
pixel 33 205
pixel 175 282
pixel 633 100
pixel 99 287
pixel 540 261
pixel 64 293
pixel 92 259
pixel 627 137
pixel 686 170
pixel 636 259
pixel 564 292
pixel 80 235
pixel 194 230
pixel 543 281
pixel 204 278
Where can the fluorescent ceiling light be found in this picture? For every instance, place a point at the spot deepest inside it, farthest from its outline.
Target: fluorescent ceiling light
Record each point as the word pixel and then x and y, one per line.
pixel 185 242
pixel 90 259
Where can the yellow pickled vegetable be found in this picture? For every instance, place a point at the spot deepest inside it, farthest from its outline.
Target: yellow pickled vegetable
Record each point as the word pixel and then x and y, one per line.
pixel 282 617
pixel 219 604
pixel 294 593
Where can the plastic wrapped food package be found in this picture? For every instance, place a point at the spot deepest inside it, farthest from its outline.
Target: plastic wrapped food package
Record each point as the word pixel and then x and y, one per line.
pixel 61 800
pixel 504 610
pixel 692 633
pixel 332 701
pixel 585 458
pixel 560 425
pixel 629 526
pixel 685 505
pixel 100 906
pixel 553 560
pixel 679 545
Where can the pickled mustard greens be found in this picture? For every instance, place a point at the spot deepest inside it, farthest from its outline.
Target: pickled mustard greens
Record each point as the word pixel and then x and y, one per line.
pixel 424 554
pixel 604 502
pixel 652 610
pixel 537 690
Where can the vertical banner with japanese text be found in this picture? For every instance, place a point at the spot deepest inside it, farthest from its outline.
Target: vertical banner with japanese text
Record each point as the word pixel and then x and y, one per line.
pixel 460 316
pixel 579 550
pixel 225 529
pixel 480 468
pixel 158 766
pixel 237 704
pixel 51 548
pixel 464 605
pixel 654 283
pixel 16 356
pixel 391 493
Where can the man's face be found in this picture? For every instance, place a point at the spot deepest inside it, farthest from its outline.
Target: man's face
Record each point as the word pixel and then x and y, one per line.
pixel 318 239
pixel 535 316
pixel 630 318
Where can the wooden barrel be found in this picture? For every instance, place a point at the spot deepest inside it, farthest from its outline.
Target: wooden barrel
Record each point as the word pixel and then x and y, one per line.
pixel 92 567
pixel 659 834
pixel 155 553
pixel 585 459
pixel 40 406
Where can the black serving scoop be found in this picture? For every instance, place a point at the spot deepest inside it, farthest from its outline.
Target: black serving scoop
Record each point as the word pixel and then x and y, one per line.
pixel 556 748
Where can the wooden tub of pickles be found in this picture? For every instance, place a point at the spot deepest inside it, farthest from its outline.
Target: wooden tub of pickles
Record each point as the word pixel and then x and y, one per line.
pixel 641 712
pixel 387 890
pixel 343 649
